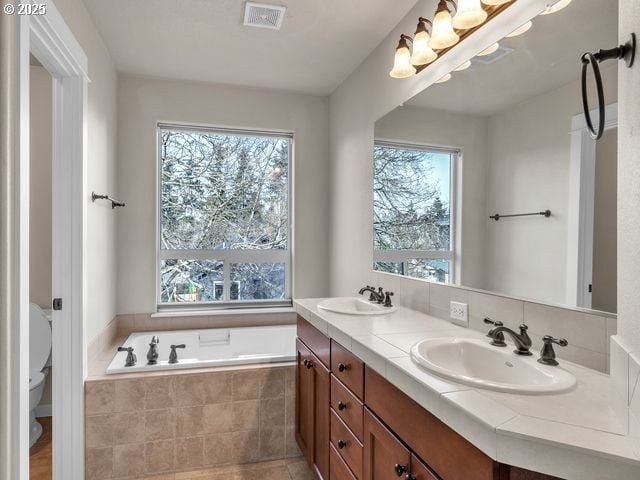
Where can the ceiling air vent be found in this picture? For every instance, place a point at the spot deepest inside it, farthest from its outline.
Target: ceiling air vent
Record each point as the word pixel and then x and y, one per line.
pixel 263 15
pixel 494 57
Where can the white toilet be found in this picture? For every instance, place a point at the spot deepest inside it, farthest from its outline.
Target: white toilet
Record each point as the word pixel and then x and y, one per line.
pixel 39 360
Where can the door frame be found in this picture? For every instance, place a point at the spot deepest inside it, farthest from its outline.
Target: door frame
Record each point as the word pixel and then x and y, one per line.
pixel 580 212
pixel 51 41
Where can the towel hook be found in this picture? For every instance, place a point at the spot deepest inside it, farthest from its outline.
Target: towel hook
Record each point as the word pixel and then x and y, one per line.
pixel 626 52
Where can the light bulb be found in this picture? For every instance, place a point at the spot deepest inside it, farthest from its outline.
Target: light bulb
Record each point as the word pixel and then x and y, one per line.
pixel 446 78
pixel 402 67
pixel 462 67
pixel 443 35
pixel 556 7
pixel 495 2
pixel 520 30
pixel 488 51
pixel 422 52
pixel 470 14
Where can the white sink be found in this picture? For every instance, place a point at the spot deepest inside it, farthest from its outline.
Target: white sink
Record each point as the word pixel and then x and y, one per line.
pixel 354 306
pixel 479 364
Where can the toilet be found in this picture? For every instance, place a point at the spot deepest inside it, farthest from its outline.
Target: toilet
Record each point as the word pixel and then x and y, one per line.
pixel 39 361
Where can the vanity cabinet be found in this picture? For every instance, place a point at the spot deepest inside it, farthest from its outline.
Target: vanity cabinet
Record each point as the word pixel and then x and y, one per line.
pixel 353 424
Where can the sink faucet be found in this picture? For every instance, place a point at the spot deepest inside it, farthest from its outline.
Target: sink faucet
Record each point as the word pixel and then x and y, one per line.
pixel 375 296
pixel 522 340
pixel 152 354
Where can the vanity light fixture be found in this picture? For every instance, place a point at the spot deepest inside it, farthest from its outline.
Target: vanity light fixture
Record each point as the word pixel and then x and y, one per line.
pixel 444 79
pixel 556 7
pixel 521 29
pixel 469 14
pixel 402 67
pixel 422 54
pixel 443 35
pixel 488 51
pixel 462 67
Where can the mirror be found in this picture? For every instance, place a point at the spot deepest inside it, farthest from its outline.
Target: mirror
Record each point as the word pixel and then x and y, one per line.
pixel 507 136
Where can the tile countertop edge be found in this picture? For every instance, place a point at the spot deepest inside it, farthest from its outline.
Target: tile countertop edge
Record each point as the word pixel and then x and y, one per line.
pixel 475 428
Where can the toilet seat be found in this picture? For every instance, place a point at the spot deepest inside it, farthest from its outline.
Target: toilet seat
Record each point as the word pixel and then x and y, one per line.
pixel 39 339
pixel 35 379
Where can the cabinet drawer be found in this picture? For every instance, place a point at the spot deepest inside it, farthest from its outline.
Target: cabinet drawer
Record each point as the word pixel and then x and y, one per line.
pixel 317 341
pixel 348 368
pixel 337 468
pixel 347 406
pixel 419 471
pixel 448 454
pixel 347 445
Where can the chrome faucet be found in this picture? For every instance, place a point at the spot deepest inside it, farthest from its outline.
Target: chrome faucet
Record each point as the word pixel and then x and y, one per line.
pixel 522 340
pixel 375 296
pixel 152 354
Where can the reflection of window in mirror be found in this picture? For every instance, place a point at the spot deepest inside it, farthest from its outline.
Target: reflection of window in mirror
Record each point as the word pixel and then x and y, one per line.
pixel 413 209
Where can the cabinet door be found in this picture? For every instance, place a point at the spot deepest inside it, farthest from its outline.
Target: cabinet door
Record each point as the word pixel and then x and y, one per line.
pixel 385 458
pixel 419 471
pixel 313 386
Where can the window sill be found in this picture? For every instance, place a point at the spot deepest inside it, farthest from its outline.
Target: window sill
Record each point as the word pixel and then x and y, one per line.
pixel 223 312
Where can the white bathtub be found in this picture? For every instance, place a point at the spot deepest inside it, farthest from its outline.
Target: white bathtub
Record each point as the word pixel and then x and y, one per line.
pixel 211 348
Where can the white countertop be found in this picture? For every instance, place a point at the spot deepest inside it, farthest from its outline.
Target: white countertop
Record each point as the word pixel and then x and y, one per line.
pixel 574 435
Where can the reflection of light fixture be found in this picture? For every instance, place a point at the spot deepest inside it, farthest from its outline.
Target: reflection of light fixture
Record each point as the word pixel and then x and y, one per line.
pixel 488 51
pixel 442 35
pixel 402 67
pixel 469 14
pixel 556 7
pixel 422 52
pixel 446 78
pixel 462 67
pixel 495 2
pixel 521 29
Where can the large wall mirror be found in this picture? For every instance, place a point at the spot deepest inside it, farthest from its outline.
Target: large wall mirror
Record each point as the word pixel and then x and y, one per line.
pixel 506 135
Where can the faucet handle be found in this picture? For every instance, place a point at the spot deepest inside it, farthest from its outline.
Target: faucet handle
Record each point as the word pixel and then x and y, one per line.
pixel 173 356
pixel 548 354
pixel 131 357
pixel 387 299
pixel 497 323
pixel 497 338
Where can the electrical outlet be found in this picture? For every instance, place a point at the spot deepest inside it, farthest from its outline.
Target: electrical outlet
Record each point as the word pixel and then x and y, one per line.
pixel 458 313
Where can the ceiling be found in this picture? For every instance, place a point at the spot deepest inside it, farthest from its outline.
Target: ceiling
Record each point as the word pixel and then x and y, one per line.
pixel 544 58
pixel 321 41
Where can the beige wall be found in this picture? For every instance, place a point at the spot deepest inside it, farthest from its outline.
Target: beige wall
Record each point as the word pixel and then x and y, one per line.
pixel 468 133
pixel 100 254
pixel 144 102
pixel 40 187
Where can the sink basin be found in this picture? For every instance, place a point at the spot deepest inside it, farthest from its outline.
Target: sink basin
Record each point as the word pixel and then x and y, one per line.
pixel 476 363
pixel 354 306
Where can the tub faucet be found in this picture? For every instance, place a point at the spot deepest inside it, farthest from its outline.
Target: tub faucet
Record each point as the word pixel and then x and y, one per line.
pixel 173 356
pixel 131 357
pixel 522 340
pixel 152 354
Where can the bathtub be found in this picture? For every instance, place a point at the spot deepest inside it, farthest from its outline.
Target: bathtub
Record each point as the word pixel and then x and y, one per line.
pixel 210 348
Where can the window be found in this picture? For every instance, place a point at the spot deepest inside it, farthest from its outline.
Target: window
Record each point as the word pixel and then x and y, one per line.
pixel 224 227
pixel 413 192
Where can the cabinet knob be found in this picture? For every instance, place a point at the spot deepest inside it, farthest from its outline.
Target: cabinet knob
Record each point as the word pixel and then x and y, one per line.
pixel 409 477
pixel 341 444
pixel 342 367
pixel 342 406
pixel 399 469
pixel 309 364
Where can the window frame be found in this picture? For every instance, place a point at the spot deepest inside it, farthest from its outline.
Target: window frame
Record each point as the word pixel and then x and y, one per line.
pixel 228 257
pixel 402 256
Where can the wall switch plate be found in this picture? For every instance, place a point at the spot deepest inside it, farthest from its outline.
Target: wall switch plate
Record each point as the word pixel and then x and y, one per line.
pixel 458 313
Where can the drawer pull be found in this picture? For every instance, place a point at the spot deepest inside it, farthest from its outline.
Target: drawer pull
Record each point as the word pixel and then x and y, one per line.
pixel 342 367
pixel 341 444
pixel 409 477
pixel 308 363
pixel 342 406
pixel 399 469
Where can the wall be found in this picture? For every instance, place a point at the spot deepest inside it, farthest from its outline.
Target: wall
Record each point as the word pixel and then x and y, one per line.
pixel 100 254
pixel 40 187
pixel 469 133
pixel 530 151
pixel 144 102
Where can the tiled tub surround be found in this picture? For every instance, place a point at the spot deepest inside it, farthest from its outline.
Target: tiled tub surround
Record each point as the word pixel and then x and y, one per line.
pixel 588 333
pixel 162 423
pixel 576 435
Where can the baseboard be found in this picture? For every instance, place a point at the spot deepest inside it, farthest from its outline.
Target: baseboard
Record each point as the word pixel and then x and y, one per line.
pixel 43 410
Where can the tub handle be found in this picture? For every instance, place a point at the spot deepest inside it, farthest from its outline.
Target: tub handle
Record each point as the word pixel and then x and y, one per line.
pixel 173 356
pixel 131 357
